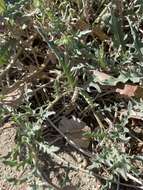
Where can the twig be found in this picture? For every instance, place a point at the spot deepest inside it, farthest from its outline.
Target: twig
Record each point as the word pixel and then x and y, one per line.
pixel 25 79
pixel 104 94
pixel 134 179
pixel 11 64
pixel 98 10
pixel 54 141
pixel 118 183
pixel 138 139
pixel 98 120
pixel 88 154
pixel 105 10
pixel 51 104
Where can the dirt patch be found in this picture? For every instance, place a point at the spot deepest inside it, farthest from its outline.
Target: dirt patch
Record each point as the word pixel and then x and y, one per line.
pixel 53 170
pixel 7 143
pixel 68 170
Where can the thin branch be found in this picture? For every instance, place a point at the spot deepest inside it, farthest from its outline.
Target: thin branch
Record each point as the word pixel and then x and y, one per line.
pixel 118 183
pixel 88 154
pixel 134 179
pixel 27 78
pixel 51 104
pixel 12 63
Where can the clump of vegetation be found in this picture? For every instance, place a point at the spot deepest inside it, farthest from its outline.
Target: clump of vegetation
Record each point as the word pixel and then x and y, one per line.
pixel 74 59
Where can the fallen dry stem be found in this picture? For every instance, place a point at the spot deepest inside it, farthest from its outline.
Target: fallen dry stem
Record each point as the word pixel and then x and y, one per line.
pixel 68 140
pixel 26 79
pixel 11 64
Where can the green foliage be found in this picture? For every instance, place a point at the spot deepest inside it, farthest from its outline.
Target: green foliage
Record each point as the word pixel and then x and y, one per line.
pixel 66 30
pixel 29 142
pixel 3 55
pixel 2 6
